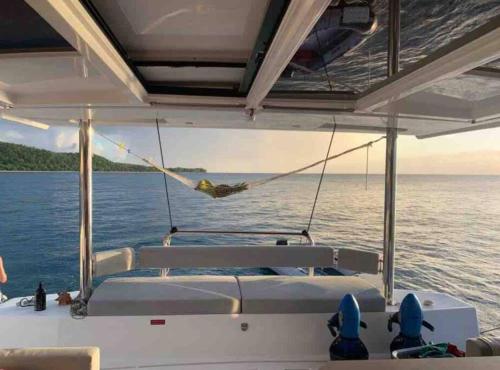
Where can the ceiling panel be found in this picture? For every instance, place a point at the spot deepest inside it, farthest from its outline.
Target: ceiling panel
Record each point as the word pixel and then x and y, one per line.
pixel 16 69
pixel 54 78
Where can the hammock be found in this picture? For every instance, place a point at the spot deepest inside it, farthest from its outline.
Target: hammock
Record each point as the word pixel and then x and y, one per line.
pixel 204 185
pixel 224 190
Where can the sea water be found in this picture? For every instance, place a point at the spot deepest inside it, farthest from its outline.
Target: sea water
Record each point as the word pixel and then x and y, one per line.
pixel 448 234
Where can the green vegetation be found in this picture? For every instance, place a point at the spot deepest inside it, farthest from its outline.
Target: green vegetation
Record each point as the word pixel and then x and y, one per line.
pixel 15 157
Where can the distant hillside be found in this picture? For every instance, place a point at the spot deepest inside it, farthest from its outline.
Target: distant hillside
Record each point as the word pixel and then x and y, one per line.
pixel 15 157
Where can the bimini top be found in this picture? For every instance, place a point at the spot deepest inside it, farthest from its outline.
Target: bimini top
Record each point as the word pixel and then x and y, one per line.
pixel 260 64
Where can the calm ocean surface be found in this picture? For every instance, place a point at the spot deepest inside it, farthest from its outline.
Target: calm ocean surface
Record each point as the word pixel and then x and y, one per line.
pixel 448 226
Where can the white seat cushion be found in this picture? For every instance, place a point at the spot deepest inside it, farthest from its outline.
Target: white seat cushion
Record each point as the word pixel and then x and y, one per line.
pixel 319 294
pixel 174 295
pixel 483 346
pixel 56 358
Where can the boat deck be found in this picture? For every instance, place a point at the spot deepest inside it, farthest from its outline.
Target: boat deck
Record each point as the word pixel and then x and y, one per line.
pixel 272 341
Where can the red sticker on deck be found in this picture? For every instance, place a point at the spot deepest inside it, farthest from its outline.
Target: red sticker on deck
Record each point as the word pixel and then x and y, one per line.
pixel 157 322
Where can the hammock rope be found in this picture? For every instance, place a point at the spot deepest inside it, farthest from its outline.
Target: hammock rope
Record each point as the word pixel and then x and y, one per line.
pixel 367 163
pixel 224 190
pixel 322 175
pixel 164 174
pixel 302 169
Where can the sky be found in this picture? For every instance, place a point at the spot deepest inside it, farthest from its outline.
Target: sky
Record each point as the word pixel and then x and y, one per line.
pixel 473 153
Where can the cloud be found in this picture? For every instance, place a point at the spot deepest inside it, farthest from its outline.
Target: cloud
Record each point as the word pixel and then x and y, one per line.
pixel 66 141
pixel 11 135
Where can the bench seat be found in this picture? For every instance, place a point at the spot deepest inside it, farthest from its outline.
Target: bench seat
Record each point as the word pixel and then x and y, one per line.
pixel 318 294
pixel 173 295
pixel 197 295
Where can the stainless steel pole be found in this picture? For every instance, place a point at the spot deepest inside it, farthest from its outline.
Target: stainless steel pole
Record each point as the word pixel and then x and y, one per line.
pixel 85 210
pixel 390 215
pixel 391 160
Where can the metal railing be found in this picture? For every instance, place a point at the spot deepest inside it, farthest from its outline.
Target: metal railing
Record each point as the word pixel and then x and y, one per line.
pixel 168 238
pixel 304 234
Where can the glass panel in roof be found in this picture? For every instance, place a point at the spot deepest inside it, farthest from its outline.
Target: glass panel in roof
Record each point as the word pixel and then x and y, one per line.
pixel 426 25
pixel 467 87
pixel 23 30
pixel 358 56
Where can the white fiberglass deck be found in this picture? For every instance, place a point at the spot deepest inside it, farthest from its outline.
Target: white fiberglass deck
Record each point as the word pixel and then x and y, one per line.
pixel 273 341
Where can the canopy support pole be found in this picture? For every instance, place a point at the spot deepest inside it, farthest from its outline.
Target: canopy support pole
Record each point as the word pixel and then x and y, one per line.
pixel 390 215
pixel 85 210
pixel 391 160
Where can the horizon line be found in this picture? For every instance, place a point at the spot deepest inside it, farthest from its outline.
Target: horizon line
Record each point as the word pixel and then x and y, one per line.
pixel 262 173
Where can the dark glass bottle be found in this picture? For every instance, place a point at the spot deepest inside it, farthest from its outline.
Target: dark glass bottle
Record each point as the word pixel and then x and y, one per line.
pixel 40 298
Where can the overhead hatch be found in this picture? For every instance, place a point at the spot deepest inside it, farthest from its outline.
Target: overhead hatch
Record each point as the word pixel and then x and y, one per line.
pixel 187 46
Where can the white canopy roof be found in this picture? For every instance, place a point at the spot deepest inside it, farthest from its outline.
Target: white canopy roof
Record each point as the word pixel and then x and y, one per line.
pixel 213 64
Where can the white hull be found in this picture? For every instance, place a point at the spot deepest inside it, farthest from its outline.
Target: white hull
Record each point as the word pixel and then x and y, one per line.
pixel 279 341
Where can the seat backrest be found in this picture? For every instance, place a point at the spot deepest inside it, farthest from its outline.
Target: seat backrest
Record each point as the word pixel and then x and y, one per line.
pixel 359 261
pixel 113 261
pixel 235 256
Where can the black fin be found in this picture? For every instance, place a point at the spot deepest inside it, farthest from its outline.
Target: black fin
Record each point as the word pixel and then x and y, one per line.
pixel 363 325
pixel 392 319
pixel 427 325
pixel 333 323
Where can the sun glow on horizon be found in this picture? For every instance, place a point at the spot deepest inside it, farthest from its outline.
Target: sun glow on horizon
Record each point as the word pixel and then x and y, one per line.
pixel 258 151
